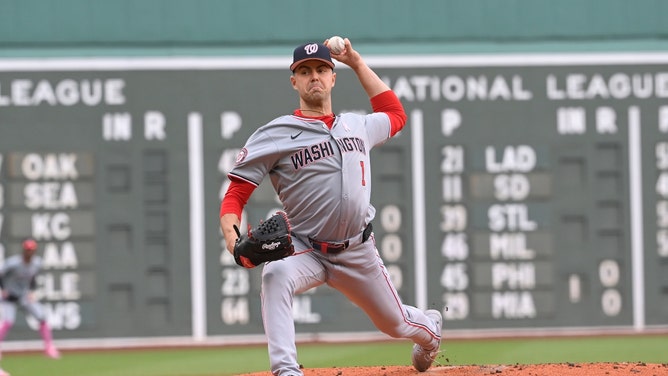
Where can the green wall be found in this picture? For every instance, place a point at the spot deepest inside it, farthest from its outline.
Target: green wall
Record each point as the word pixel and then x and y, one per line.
pixel 179 27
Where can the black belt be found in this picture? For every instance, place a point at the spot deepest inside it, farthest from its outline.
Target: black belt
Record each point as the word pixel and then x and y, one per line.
pixel 338 247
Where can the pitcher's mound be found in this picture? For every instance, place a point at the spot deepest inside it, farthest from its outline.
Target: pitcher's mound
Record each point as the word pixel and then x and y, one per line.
pixel 560 369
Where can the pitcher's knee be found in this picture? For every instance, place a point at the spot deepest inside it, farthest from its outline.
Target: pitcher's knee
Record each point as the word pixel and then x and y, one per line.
pixel 277 276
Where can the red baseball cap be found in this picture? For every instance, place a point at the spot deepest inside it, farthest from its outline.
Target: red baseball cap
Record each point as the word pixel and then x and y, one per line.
pixel 311 51
pixel 29 245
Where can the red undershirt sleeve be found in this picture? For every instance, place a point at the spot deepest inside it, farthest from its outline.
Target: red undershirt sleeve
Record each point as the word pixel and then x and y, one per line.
pixel 236 197
pixel 389 103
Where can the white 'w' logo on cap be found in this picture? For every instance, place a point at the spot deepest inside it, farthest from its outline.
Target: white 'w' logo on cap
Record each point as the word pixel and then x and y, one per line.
pixel 311 48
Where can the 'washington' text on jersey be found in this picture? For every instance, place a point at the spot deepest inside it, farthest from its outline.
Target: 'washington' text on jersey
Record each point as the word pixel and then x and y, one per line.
pixel 351 144
pixel 313 153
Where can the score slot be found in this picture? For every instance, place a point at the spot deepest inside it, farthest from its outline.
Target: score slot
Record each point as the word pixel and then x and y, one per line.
pixel 510 187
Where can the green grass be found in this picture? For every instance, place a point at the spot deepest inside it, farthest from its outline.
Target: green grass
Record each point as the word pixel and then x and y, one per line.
pixel 225 361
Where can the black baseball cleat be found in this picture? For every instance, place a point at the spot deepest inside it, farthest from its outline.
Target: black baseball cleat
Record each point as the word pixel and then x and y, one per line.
pixel 423 359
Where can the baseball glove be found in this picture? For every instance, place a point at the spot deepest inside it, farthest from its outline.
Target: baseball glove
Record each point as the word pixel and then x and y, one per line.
pixel 269 241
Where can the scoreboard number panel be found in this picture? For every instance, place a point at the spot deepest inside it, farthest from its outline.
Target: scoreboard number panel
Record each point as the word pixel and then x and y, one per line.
pixel 541 197
pixel 525 191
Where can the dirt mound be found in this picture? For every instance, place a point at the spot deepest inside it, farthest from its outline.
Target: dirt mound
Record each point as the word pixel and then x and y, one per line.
pixel 560 369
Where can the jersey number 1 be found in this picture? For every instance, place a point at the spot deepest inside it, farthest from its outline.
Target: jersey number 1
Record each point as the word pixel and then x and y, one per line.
pixel 363 181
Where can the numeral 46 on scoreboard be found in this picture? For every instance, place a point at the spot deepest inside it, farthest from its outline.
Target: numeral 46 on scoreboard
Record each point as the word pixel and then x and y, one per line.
pixel 455 246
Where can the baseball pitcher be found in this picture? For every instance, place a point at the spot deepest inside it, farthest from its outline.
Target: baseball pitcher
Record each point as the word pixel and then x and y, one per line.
pixel 319 165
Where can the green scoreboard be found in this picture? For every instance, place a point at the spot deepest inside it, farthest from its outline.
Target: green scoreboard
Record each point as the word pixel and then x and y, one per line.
pixel 526 191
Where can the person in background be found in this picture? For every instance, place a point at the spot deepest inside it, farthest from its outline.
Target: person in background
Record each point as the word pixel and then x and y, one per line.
pixel 17 282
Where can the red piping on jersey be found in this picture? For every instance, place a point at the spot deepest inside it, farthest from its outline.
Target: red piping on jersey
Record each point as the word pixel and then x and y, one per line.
pixel 397 300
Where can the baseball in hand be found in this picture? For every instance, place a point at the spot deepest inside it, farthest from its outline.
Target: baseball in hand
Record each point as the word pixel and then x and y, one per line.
pixel 336 44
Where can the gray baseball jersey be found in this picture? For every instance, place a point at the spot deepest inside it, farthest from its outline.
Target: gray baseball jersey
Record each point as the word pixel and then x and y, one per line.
pixel 322 176
pixel 17 276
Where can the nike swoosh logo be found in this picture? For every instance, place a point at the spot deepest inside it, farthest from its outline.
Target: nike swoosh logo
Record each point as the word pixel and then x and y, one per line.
pixel 296 135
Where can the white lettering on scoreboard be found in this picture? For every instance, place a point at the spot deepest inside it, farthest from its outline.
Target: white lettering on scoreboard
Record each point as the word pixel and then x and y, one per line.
pixel 454 247
pixel 513 272
pixel 391 245
pixel 51 196
pixel 661 188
